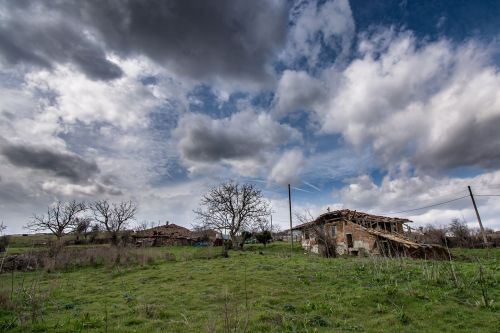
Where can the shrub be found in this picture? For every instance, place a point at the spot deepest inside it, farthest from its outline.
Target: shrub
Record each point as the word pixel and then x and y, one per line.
pixel 264 237
pixel 4 242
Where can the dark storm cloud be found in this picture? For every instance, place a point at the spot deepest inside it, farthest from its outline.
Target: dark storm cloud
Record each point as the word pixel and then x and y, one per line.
pixel 64 165
pixel 38 35
pixel 213 146
pixel 243 136
pixel 199 38
pixel 470 143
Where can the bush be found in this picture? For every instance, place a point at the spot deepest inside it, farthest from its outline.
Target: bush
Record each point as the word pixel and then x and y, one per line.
pixel 264 237
pixel 4 242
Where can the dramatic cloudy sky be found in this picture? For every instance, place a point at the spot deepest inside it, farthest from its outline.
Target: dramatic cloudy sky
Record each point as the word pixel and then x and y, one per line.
pixel 383 106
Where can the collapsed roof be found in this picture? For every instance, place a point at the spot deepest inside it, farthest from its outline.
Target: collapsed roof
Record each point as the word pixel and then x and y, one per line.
pixel 353 216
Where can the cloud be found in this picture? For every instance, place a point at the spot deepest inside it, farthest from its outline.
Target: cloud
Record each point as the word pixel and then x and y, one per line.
pixel 36 35
pixel 409 100
pixel 244 136
pixel 60 164
pixel 315 26
pixel 70 96
pixel 297 90
pixel 288 167
pixel 405 192
pixel 235 39
pixel 71 190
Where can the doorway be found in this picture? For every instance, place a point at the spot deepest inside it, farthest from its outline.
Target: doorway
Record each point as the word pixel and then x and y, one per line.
pixel 350 243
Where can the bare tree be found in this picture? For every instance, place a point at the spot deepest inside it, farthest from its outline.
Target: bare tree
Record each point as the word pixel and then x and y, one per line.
pixel 432 235
pixel 232 207
pixel 60 219
pixel 260 225
pixel 460 232
pixel 144 225
pixel 113 216
pixel 82 228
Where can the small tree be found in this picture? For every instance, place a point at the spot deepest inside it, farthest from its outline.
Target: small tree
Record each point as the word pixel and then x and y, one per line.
pixel 460 231
pixel 264 237
pixel 4 239
pixel 114 217
pixel 232 207
pixel 94 232
pixel 82 228
pixel 245 235
pixel 61 218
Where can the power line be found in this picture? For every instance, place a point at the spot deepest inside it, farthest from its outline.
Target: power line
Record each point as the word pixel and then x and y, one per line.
pixel 429 206
pixel 487 195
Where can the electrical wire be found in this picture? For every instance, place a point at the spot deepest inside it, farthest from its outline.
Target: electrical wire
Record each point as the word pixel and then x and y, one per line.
pixel 429 206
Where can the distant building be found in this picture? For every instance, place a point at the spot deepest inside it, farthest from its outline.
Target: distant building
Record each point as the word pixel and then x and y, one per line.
pixel 285 235
pixel 172 234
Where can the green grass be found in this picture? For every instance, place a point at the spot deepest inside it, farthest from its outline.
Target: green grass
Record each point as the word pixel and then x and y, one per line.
pixel 302 293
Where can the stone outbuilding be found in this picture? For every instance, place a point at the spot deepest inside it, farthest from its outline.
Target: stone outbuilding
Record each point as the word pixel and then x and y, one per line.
pixel 173 235
pixel 347 232
pixel 168 234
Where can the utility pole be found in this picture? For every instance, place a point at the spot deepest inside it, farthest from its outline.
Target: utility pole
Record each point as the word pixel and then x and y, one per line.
pixel 478 217
pixel 271 225
pixel 290 207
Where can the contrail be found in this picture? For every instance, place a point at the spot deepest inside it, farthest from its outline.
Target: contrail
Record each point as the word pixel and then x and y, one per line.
pixel 311 185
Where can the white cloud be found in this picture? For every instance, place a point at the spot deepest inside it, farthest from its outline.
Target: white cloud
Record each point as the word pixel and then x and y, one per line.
pixel 288 167
pixel 404 192
pixel 297 91
pixel 105 122
pixel 65 189
pixel 426 103
pixel 313 24
pixel 74 97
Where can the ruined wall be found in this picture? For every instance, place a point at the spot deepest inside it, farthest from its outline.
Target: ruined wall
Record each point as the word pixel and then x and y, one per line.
pixel 310 244
pixel 363 242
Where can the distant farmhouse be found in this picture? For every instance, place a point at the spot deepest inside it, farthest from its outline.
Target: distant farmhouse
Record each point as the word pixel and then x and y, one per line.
pixel 356 233
pixel 173 234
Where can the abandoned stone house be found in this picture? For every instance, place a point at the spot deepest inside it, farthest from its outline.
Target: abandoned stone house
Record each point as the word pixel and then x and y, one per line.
pixel 356 233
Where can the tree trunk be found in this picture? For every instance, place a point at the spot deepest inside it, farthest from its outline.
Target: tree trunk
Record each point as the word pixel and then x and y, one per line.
pixel 225 248
pixel 114 239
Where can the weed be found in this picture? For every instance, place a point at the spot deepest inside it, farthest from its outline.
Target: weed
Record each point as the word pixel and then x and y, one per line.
pixel 317 320
pixel 401 316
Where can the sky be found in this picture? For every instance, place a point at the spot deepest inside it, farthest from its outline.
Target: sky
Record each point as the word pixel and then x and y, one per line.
pixel 378 106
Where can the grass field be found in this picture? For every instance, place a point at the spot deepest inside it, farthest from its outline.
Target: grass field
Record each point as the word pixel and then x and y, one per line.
pixel 185 289
pixel 34 242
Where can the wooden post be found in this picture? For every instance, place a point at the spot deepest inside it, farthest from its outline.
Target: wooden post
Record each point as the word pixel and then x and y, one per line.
pixel 478 217
pixel 290 208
